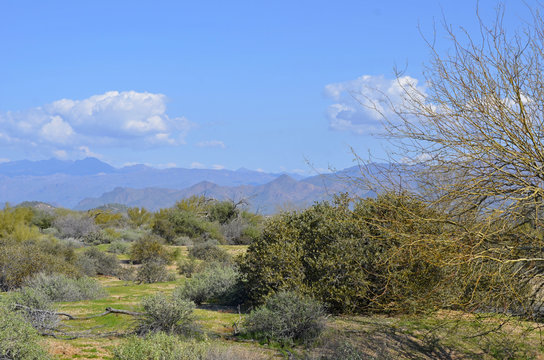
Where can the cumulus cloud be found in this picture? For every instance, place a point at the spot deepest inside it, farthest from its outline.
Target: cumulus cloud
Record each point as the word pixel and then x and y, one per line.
pixel 126 119
pixel 360 104
pixel 211 143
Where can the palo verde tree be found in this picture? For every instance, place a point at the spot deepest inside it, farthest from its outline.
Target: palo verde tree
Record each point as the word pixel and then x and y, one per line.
pixel 476 135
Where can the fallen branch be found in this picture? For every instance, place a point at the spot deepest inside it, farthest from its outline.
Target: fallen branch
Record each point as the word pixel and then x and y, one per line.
pixel 23 307
pixel 108 311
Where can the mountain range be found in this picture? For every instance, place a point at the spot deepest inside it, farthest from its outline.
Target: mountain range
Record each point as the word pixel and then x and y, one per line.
pixel 90 183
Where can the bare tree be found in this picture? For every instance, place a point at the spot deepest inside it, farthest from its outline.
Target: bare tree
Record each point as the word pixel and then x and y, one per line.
pixel 472 142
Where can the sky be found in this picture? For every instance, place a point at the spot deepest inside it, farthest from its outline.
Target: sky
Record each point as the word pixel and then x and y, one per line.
pixel 264 85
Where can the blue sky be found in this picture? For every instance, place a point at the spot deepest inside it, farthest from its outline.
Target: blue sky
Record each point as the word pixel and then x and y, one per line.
pixel 255 84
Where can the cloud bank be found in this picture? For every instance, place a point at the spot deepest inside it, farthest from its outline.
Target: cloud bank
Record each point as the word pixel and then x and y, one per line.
pixel 361 104
pixel 116 119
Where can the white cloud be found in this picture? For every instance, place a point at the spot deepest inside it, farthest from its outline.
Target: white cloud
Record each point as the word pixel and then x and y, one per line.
pixel 217 167
pixel 120 119
pixel 211 143
pixel 86 152
pixel 60 154
pixel 197 165
pixel 167 165
pixel 361 104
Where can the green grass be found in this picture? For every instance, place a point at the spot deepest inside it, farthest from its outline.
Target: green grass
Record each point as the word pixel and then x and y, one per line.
pixel 423 336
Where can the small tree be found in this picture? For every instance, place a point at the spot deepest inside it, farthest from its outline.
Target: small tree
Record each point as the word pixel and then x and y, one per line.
pixel 475 133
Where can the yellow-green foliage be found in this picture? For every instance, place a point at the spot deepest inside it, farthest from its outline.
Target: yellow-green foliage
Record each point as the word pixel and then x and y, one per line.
pixel 105 217
pixel 150 248
pixel 348 255
pixel 15 224
pixel 139 216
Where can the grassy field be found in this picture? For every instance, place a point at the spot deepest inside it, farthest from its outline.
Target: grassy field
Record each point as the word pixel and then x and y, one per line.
pixel 447 335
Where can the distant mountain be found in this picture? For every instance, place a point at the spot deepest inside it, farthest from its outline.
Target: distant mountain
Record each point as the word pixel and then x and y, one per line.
pixel 282 193
pixel 66 183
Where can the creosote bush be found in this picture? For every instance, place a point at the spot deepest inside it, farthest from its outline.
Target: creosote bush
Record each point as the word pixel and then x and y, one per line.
pixel 20 261
pixel 170 314
pixel 354 256
pixel 209 251
pixel 119 247
pixel 216 282
pixel 150 247
pixel 152 271
pixel 188 267
pixel 95 262
pixel 287 317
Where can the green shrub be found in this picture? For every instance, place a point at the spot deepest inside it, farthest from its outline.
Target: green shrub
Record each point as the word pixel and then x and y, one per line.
pixel 18 340
pixel 35 307
pixel 119 247
pixel 215 282
pixel 347 252
pixel 172 315
pixel 160 346
pixel 287 317
pixel 153 271
pixel 209 251
pixel 221 211
pixel 19 261
pixel 150 247
pixel 188 267
pixel 95 262
pixel 175 222
pixel 75 225
pixel 138 216
pixel 58 287
pixel 131 235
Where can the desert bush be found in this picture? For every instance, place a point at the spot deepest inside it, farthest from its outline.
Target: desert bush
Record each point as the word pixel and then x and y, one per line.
pixel 242 229
pixel 43 218
pixel 221 211
pixel 139 217
pixel 35 307
pixel 287 317
pixel 210 252
pixel 354 256
pixel 105 217
pixel 175 222
pixel 126 274
pixel 75 225
pixel 12 218
pixel 131 235
pixel 58 287
pixel 20 261
pixel 119 247
pixel 96 237
pixel 18 340
pixel 148 248
pixel 172 315
pixel 95 262
pixel 70 243
pixel 152 271
pixel 183 241
pixel 215 282
pixel 188 267
pixel 160 346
